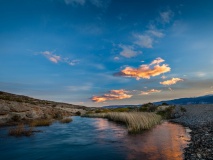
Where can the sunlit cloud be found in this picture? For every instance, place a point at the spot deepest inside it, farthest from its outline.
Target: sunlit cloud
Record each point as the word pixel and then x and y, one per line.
pixel 157 61
pixel 145 71
pixel 163 77
pixel 112 95
pixel 128 51
pixel 171 81
pixel 56 58
pixel 149 92
pixel 52 57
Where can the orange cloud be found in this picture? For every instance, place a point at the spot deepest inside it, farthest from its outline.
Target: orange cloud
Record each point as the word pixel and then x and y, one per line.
pixel 112 95
pixel 157 61
pixel 171 81
pixel 150 91
pixel 146 71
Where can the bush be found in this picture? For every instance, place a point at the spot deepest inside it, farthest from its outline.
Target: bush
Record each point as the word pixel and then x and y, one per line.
pixel 149 107
pixel 78 113
pixel 121 110
pixel 165 104
pixel 182 109
pixel 16 118
pixel 167 113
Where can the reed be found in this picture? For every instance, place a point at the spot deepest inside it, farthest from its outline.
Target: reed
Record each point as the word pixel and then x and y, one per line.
pixel 20 130
pixel 135 121
pixel 66 120
pixel 40 122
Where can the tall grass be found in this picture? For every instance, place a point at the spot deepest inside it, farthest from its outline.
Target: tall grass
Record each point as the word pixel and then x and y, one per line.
pixel 135 121
pixel 40 122
pixel 20 130
pixel 66 120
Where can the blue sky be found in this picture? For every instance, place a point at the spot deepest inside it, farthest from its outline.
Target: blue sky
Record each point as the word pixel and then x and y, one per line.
pixel 104 52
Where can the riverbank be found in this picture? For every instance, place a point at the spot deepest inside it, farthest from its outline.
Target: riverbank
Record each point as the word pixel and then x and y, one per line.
pixel 199 118
pixel 18 109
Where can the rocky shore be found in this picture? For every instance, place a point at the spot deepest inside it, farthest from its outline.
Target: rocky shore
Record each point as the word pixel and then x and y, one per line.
pixel 16 109
pixel 199 118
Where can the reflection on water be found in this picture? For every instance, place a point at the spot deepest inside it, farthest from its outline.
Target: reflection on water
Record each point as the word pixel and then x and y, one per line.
pixel 95 138
pixel 165 141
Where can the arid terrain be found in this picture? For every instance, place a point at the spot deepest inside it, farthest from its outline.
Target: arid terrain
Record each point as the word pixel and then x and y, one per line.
pixel 16 108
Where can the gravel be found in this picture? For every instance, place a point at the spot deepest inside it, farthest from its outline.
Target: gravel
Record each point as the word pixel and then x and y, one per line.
pixel 199 118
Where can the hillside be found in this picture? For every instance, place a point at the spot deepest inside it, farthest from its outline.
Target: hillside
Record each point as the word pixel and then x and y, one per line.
pixel 14 108
pixel 207 99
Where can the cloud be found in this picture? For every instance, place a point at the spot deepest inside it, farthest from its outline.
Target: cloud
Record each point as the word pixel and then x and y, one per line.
pixel 85 87
pixel 112 95
pixel 56 58
pixel 163 77
pixel 100 3
pixel 166 16
pixel 97 3
pixel 73 2
pixel 157 61
pixel 171 81
pixel 116 58
pixel 150 92
pixel 128 51
pixel 155 33
pixel 170 89
pixel 144 41
pixel 53 58
pixel 145 71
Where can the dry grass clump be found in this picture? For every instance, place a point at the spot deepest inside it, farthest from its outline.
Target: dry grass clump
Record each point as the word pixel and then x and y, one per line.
pixel 20 130
pixel 135 121
pixel 40 122
pixel 66 120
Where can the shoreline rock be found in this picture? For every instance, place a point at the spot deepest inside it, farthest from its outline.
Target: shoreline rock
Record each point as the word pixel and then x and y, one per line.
pixel 199 118
pixel 15 109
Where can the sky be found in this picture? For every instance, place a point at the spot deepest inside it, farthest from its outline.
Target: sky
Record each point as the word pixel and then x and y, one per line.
pixel 106 52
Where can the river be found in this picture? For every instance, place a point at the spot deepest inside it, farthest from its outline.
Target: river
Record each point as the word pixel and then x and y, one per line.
pixel 95 139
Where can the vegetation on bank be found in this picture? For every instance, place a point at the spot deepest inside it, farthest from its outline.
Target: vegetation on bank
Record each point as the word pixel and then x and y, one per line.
pixel 138 118
pixel 66 120
pixel 20 130
pixel 40 122
pixel 135 121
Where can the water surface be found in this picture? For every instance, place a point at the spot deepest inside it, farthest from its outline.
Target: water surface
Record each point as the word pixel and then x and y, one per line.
pixel 95 138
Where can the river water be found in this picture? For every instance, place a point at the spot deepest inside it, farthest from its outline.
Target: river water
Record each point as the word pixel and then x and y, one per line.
pixel 95 139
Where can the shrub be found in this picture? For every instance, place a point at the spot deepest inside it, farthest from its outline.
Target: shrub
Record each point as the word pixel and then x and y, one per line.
pixel 40 122
pixel 16 118
pixel 165 104
pixel 167 113
pixel 182 109
pixel 66 120
pixel 78 113
pixel 121 110
pixel 149 107
pixel 20 130
pixel 58 116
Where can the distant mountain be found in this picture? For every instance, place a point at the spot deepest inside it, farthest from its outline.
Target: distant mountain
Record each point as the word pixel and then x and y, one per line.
pixel 207 99
pixel 120 106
